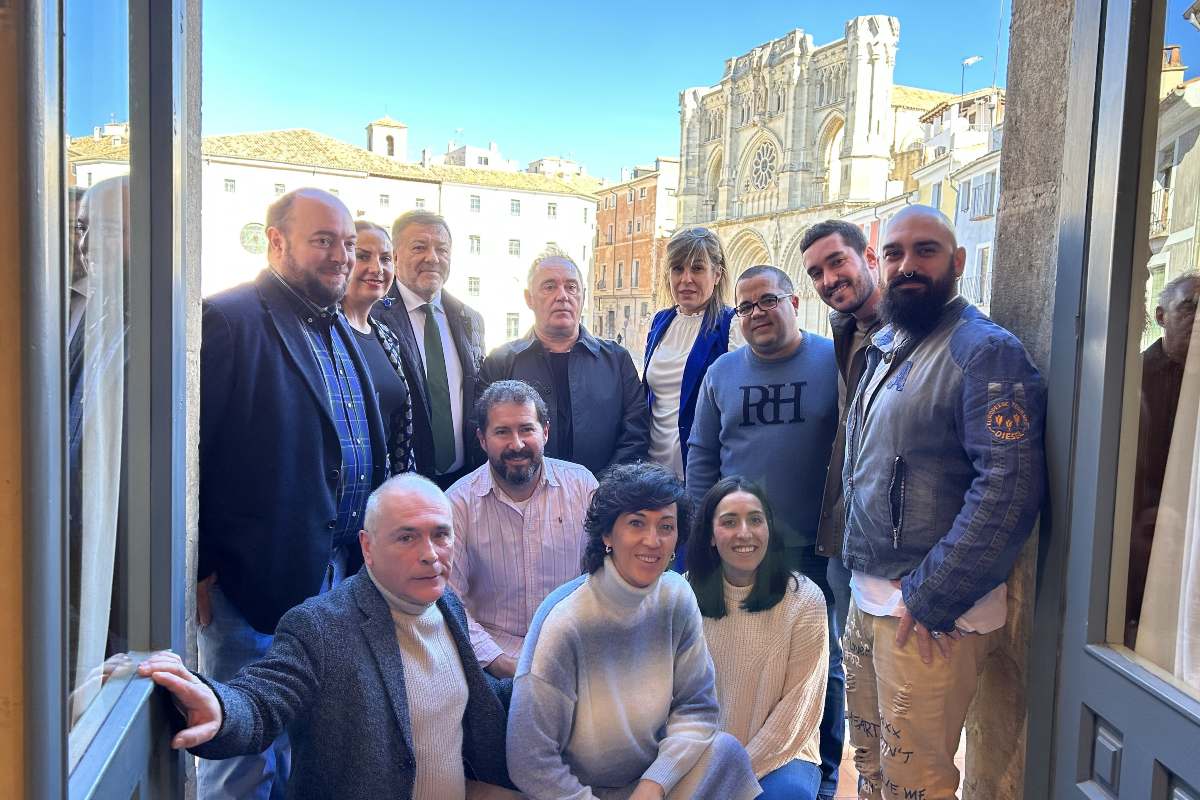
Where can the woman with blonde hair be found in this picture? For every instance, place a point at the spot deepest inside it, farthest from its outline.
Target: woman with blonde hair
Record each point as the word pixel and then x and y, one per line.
pixel 685 340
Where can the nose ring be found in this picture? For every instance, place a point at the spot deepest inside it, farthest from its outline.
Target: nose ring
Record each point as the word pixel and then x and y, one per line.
pixel 908 274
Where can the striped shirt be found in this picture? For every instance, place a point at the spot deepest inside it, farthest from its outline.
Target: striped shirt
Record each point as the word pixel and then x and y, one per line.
pixel 508 556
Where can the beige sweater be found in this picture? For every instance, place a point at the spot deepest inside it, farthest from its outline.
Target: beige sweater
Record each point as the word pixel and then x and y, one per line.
pixel 437 697
pixel 772 668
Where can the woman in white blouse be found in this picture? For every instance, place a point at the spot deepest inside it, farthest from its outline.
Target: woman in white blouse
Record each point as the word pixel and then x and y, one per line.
pixel 767 633
pixel 685 340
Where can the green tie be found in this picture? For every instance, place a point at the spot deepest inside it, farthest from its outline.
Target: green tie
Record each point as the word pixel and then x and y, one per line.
pixel 440 416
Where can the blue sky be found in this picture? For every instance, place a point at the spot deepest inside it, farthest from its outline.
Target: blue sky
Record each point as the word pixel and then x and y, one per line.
pixel 598 82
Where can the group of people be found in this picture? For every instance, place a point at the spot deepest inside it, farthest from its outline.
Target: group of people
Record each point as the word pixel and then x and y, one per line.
pixel 426 572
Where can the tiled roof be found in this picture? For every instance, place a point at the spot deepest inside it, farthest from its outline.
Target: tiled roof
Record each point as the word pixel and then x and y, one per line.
pixel 88 148
pixel 919 99
pixel 386 120
pixel 304 148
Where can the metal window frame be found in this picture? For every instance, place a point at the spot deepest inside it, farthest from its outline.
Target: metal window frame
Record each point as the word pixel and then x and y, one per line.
pixel 128 753
pixel 1112 69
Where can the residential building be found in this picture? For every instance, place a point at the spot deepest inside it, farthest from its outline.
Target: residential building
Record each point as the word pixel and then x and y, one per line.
pixel 465 155
pixel 634 219
pixel 976 208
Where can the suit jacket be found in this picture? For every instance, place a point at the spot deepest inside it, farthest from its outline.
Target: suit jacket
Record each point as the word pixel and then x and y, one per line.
pixel 609 417
pixel 269 453
pixel 466 328
pixel 710 345
pixel 334 679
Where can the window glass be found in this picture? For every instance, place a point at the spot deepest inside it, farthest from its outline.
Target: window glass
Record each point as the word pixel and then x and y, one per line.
pixel 96 269
pixel 1158 532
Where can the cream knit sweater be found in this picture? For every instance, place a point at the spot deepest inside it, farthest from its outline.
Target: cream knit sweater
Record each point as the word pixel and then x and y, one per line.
pixel 437 696
pixel 772 667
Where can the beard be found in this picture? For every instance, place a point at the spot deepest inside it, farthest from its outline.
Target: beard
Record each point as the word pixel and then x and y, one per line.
pixel 916 312
pixel 310 282
pixel 517 474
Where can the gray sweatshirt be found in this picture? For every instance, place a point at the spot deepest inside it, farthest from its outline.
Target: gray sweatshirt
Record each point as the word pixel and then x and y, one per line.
pixel 772 422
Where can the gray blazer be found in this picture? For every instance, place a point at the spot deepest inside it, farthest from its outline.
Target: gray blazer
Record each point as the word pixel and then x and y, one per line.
pixel 334 679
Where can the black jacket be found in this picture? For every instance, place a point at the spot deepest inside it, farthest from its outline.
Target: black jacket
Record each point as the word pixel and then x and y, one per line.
pixel 609 414
pixel 269 452
pixel 466 328
pixel 334 679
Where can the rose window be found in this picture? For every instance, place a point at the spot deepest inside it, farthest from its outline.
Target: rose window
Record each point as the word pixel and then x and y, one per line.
pixel 762 171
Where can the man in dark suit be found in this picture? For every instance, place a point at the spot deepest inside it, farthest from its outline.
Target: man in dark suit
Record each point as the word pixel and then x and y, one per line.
pixel 376 679
pixel 441 347
pixel 291 445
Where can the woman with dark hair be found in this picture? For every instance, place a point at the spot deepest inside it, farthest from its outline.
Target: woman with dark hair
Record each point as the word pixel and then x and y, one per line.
pixel 767 632
pixel 685 340
pixel 614 694
pixel 370 281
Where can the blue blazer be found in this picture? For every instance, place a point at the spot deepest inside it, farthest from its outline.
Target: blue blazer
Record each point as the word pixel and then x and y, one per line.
pixel 709 346
pixel 269 453
pixel 334 679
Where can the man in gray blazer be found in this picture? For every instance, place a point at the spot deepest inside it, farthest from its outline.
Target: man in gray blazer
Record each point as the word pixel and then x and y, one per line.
pixel 375 681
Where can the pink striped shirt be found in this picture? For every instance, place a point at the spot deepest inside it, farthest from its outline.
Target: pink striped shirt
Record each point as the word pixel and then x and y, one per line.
pixel 508 556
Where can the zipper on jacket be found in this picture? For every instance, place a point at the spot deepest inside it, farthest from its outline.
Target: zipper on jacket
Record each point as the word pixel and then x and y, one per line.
pixel 896 498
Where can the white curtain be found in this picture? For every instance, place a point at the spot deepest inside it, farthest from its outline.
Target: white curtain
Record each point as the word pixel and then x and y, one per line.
pixel 103 402
pixel 1169 628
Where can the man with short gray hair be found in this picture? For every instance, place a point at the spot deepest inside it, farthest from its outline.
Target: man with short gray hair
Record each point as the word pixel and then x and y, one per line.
pixel 376 680
pixel 598 413
pixel 441 345
pixel 518 521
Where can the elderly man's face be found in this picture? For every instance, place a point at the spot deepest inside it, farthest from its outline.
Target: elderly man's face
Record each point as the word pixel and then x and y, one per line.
pixel 423 258
pixel 412 546
pixel 1177 320
pixel 555 296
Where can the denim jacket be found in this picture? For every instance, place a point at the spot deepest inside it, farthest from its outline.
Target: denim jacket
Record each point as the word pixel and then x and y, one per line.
pixel 945 467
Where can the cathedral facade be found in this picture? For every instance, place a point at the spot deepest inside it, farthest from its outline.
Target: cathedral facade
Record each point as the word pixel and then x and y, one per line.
pixel 793 134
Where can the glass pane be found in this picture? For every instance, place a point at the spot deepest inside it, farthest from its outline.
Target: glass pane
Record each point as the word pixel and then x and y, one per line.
pixel 1162 587
pixel 96 266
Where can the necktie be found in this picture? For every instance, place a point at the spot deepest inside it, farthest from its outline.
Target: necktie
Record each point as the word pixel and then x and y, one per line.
pixel 440 416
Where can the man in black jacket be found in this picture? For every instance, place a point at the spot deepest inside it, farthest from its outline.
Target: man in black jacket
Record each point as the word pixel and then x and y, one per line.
pixel 598 412
pixel 291 445
pixel 441 347
pixel 376 680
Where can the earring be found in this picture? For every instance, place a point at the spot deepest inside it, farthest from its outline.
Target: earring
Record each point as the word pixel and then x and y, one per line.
pixel 607 549
pixel 671 560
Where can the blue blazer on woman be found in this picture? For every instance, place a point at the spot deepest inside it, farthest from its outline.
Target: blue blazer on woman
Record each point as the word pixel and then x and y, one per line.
pixel 709 346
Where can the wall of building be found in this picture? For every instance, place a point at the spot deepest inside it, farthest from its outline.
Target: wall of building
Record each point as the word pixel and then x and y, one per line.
pixel 502 276
pixel 231 251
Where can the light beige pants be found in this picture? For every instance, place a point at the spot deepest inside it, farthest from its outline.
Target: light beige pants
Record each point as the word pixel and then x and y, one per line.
pixel 905 716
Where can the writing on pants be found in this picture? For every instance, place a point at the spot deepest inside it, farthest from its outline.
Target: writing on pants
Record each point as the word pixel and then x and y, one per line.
pixel 903 791
pixel 765 404
pixel 862 724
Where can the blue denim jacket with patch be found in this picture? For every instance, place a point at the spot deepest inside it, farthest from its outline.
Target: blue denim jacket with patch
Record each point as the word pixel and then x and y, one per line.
pixel 945 466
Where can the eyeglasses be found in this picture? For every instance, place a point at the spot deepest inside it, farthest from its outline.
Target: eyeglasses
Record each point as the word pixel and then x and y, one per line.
pixel 766 303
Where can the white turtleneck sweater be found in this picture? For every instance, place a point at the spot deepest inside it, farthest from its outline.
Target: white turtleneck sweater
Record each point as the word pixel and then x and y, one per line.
pixel 772 668
pixel 436 687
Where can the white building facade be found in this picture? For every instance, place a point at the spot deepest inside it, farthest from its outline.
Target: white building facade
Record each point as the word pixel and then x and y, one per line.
pixel 499 220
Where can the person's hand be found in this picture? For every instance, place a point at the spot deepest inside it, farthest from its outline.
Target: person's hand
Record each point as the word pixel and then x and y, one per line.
pixel 191 695
pixel 204 600
pixel 926 639
pixel 503 666
pixel 647 790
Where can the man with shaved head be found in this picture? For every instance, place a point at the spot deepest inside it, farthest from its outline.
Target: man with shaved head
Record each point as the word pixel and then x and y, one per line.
pixel 291 445
pixel 375 680
pixel 943 481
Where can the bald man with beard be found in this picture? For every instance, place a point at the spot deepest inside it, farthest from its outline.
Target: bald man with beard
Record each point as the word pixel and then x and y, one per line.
pixel 943 481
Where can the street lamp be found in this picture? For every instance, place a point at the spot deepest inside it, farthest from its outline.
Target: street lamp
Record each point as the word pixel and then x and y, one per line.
pixel 962 83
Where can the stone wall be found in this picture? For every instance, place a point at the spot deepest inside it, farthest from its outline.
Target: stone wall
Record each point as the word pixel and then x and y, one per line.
pixel 1025 259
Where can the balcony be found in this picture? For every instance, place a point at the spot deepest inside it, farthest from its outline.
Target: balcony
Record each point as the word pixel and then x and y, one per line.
pixel 1160 212
pixel 977 289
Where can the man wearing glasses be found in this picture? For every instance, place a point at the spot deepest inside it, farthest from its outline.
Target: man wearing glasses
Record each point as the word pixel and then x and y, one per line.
pixel 769 412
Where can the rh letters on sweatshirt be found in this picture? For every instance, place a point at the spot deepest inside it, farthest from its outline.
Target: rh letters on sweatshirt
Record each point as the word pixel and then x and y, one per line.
pixel 772 403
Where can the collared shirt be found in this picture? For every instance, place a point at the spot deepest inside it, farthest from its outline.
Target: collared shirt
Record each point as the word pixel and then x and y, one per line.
pixel 509 556
pixel 414 304
pixel 343 388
